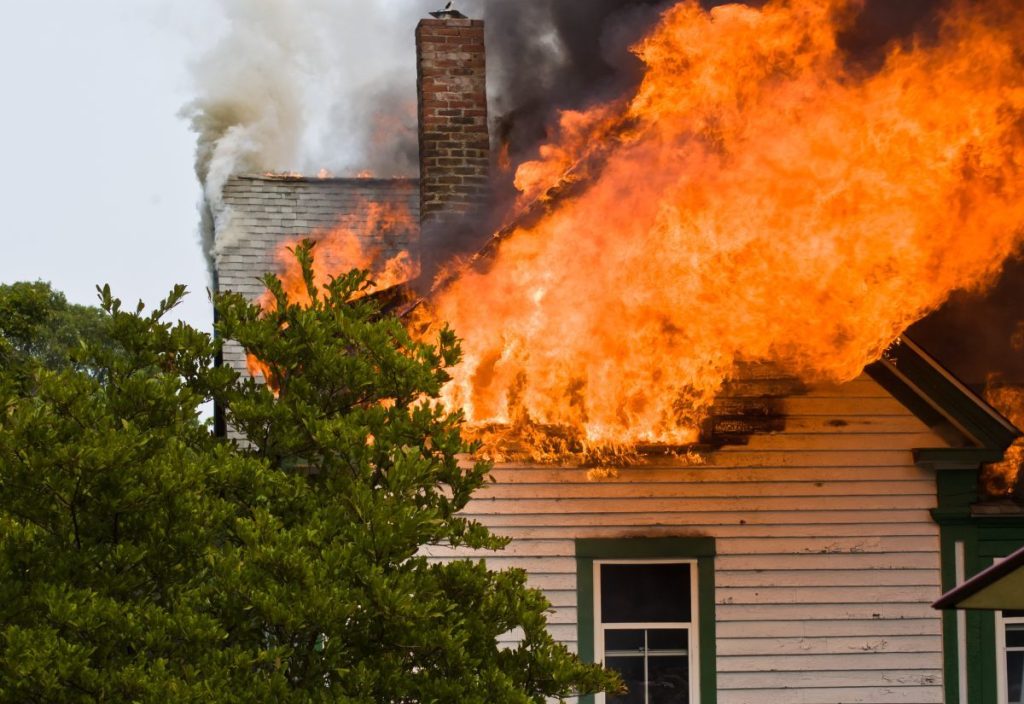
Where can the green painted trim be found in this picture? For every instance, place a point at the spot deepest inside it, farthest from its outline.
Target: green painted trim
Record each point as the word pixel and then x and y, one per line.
pixel 701 549
pixel 984 537
pixel 706 635
pixel 953 458
pixel 585 607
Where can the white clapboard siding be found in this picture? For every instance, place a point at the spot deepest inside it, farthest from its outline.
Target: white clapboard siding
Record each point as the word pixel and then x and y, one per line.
pixel 827 558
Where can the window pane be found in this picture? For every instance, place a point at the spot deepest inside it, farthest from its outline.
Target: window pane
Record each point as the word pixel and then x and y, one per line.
pixel 667 639
pixel 1015 636
pixel 1015 677
pixel 645 593
pixel 624 640
pixel 669 680
pixel 632 671
pixel 1013 614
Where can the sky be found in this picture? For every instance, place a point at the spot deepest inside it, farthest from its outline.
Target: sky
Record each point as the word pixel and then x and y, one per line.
pixel 97 185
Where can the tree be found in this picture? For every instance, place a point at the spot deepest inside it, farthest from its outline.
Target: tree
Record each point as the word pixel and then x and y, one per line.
pixel 37 322
pixel 141 558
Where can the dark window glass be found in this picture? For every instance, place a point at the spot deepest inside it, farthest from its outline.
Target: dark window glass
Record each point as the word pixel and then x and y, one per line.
pixel 1013 614
pixel 645 593
pixel 624 640
pixel 1015 636
pixel 668 679
pixel 632 672
pixel 1015 677
pixel 667 639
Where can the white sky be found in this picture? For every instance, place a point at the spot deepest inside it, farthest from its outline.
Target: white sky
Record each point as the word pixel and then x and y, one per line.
pixel 97 183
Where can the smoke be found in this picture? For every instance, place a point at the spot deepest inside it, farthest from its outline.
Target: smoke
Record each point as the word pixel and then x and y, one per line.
pixel 980 335
pixel 303 86
pixel 550 55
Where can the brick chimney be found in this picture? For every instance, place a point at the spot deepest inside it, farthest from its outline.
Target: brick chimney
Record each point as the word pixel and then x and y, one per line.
pixel 454 143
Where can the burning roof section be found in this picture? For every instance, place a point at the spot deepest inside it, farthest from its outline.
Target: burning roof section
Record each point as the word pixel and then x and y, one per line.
pixel 356 222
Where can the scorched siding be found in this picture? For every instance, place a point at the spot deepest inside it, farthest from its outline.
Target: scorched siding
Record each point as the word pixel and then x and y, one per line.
pixel 827 557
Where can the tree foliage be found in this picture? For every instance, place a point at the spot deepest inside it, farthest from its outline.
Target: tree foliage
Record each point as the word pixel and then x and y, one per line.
pixel 144 559
pixel 37 323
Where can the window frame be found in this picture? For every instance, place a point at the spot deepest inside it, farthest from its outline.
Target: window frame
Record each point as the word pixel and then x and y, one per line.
pixel 691 626
pixel 700 553
pixel 1002 685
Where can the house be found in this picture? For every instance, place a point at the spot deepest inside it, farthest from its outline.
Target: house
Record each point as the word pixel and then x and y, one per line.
pixel 794 558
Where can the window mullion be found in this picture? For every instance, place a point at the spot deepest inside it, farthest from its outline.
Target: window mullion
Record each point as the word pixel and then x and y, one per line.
pixel 647 676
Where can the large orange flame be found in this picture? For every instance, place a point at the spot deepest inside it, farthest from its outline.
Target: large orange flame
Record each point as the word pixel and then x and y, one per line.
pixel 757 199
pixel 1003 478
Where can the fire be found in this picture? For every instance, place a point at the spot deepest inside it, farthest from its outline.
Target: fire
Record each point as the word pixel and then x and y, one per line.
pixel 1004 478
pixel 360 240
pixel 758 198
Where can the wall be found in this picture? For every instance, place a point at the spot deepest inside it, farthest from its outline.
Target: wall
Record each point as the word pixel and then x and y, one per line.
pixel 827 557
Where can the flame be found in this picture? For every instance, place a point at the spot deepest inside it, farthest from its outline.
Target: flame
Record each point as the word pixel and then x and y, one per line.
pixel 362 239
pixel 757 198
pixel 324 173
pixel 1003 478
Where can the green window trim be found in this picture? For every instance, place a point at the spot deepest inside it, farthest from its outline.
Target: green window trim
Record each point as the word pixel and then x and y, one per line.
pixel 983 538
pixel 702 550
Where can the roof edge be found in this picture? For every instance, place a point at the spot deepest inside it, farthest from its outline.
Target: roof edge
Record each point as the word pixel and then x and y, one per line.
pixel 302 178
pixel 989 575
pixel 932 393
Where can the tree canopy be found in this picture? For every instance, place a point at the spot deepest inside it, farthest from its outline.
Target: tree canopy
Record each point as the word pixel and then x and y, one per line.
pixel 143 559
pixel 37 323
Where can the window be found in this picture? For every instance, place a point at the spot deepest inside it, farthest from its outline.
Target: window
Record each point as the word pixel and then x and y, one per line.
pixel 1012 647
pixel 646 609
pixel 644 623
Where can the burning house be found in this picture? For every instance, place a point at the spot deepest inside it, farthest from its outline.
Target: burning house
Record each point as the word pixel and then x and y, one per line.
pixel 732 477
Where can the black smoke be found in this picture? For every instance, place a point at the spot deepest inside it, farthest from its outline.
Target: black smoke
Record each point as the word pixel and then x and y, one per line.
pixel 545 56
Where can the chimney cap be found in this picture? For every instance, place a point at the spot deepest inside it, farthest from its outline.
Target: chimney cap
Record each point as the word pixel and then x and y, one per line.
pixel 448 13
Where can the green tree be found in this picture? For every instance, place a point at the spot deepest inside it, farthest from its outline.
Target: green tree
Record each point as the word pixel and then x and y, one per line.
pixel 38 323
pixel 143 559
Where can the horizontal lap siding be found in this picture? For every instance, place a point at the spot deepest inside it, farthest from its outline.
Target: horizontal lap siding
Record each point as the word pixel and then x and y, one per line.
pixel 827 563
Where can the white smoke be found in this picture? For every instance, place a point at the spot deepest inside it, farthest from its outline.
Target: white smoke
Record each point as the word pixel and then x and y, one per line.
pixel 301 86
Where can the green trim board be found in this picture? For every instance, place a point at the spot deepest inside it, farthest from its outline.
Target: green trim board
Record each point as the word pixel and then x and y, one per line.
pixel 700 549
pixel 941 458
pixel 982 538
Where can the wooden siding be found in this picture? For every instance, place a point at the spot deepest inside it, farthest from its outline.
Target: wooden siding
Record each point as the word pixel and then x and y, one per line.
pixel 827 563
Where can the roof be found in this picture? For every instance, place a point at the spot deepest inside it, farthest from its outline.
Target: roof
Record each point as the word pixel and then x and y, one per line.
pixel 1000 586
pixel 976 432
pixel 264 212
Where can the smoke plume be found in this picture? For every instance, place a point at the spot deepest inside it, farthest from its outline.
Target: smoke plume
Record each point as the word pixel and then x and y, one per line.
pixel 300 87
